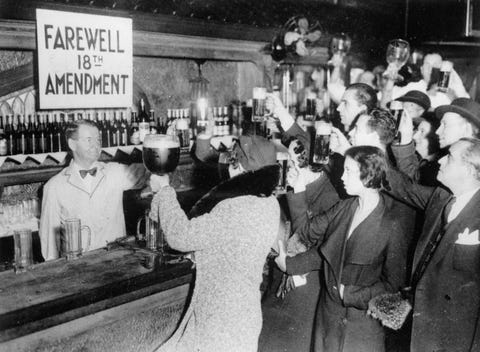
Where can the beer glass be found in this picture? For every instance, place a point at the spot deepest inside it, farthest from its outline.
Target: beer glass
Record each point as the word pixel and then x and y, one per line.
pixel 22 240
pixel 340 44
pixel 398 51
pixel 282 160
pixel 183 133
pixel 396 109
pixel 444 79
pixel 259 97
pixel 153 235
pixel 311 106
pixel 320 150
pixel 71 238
pixel 161 153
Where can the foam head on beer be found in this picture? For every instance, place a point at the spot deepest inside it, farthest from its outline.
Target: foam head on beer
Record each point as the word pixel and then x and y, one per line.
pixel 160 153
pixel 259 93
pixel 446 66
pixel 182 124
pixel 161 141
pixel 323 128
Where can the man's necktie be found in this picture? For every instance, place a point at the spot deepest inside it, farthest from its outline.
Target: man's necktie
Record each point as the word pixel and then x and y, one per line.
pixel 92 171
pixel 432 245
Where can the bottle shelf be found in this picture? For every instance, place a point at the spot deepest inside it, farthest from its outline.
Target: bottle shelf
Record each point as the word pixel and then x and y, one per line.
pixel 59 157
pixel 46 165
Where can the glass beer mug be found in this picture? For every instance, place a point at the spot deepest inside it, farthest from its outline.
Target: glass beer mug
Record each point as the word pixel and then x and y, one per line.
pixel 152 235
pixel 161 154
pixel 71 238
pixel 22 240
pixel 320 149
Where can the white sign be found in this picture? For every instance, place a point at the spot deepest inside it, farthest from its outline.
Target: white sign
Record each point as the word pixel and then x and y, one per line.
pixel 84 61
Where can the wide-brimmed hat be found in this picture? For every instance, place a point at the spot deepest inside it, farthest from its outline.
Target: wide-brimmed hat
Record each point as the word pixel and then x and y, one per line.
pixel 255 152
pixel 417 97
pixel 467 108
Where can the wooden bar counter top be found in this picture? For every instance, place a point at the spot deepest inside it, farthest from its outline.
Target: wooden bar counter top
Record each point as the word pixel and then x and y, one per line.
pixel 63 304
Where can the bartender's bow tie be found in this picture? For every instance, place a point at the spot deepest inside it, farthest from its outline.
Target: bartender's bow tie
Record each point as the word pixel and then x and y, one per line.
pixel 92 171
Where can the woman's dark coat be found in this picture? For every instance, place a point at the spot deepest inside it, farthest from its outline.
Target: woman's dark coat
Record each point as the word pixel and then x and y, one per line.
pixel 371 262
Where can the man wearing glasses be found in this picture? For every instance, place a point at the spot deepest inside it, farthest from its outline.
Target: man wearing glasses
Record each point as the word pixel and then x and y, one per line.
pixel 88 190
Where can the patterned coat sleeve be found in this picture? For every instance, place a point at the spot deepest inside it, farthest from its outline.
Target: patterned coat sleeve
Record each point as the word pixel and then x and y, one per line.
pixel 203 231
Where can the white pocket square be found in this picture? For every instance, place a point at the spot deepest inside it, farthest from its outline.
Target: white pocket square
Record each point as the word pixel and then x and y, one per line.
pixel 468 238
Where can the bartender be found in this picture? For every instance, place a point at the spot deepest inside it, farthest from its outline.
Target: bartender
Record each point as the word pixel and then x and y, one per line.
pixel 87 189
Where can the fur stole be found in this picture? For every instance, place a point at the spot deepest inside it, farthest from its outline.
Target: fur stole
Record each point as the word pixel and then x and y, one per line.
pixel 261 182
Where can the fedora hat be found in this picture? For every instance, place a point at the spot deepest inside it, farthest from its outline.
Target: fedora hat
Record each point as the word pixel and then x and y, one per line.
pixel 417 97
pixel 467 108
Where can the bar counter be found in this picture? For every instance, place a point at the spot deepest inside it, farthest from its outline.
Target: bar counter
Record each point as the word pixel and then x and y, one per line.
pixel 103 301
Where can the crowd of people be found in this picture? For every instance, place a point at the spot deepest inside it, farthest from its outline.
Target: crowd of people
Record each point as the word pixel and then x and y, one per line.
pixel 396 210
pixel 377 219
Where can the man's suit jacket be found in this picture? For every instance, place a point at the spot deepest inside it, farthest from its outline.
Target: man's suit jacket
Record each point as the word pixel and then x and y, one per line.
pixel 447 296
pixel 65 196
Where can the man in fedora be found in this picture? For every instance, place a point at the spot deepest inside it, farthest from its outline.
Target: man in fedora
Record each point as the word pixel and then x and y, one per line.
pixel 459 119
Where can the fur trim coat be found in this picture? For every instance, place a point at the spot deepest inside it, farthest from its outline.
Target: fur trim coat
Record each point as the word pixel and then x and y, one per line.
pixel 231 232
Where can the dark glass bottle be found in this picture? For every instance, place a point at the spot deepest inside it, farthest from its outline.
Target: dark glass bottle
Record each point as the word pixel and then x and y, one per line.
pixel 10 135
pixel 32 142
pixel 22 144
pixel 42 134
pixel 107 128
pixel 144 121
pixel 50 134
pixel 3 139
pixel 153 123
pixel 116 134
pixel 62 125
pixel 99 126
pixel 123 129
pixel 134 131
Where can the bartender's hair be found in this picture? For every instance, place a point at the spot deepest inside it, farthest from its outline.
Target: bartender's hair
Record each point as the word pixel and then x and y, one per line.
pixel 382 122
pixel 71 131
pixel 471 154
pixel 365 94
pixel 372 164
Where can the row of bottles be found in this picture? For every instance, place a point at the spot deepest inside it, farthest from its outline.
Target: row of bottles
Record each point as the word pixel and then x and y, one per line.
pixel 31 134
pixel 44 132
pixel 222 123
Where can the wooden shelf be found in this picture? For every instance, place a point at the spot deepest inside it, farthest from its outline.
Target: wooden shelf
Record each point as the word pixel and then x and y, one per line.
pixel 41 173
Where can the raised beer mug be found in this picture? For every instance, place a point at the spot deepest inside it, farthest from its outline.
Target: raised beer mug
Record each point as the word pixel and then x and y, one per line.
pixel 161 153
pixel 71 238
pixel 320 146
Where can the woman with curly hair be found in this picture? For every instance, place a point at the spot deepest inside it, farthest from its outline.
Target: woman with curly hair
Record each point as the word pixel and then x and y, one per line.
pixel 361 254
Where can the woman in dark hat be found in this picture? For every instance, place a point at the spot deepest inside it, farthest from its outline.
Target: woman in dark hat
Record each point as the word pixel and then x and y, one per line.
pixel 231 231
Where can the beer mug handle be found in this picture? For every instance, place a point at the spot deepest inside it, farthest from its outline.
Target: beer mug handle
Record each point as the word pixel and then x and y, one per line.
pixel 85 227
pixel 139 223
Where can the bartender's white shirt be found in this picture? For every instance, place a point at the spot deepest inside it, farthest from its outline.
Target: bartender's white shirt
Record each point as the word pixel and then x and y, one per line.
pixel 97 202
pixel 88 179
